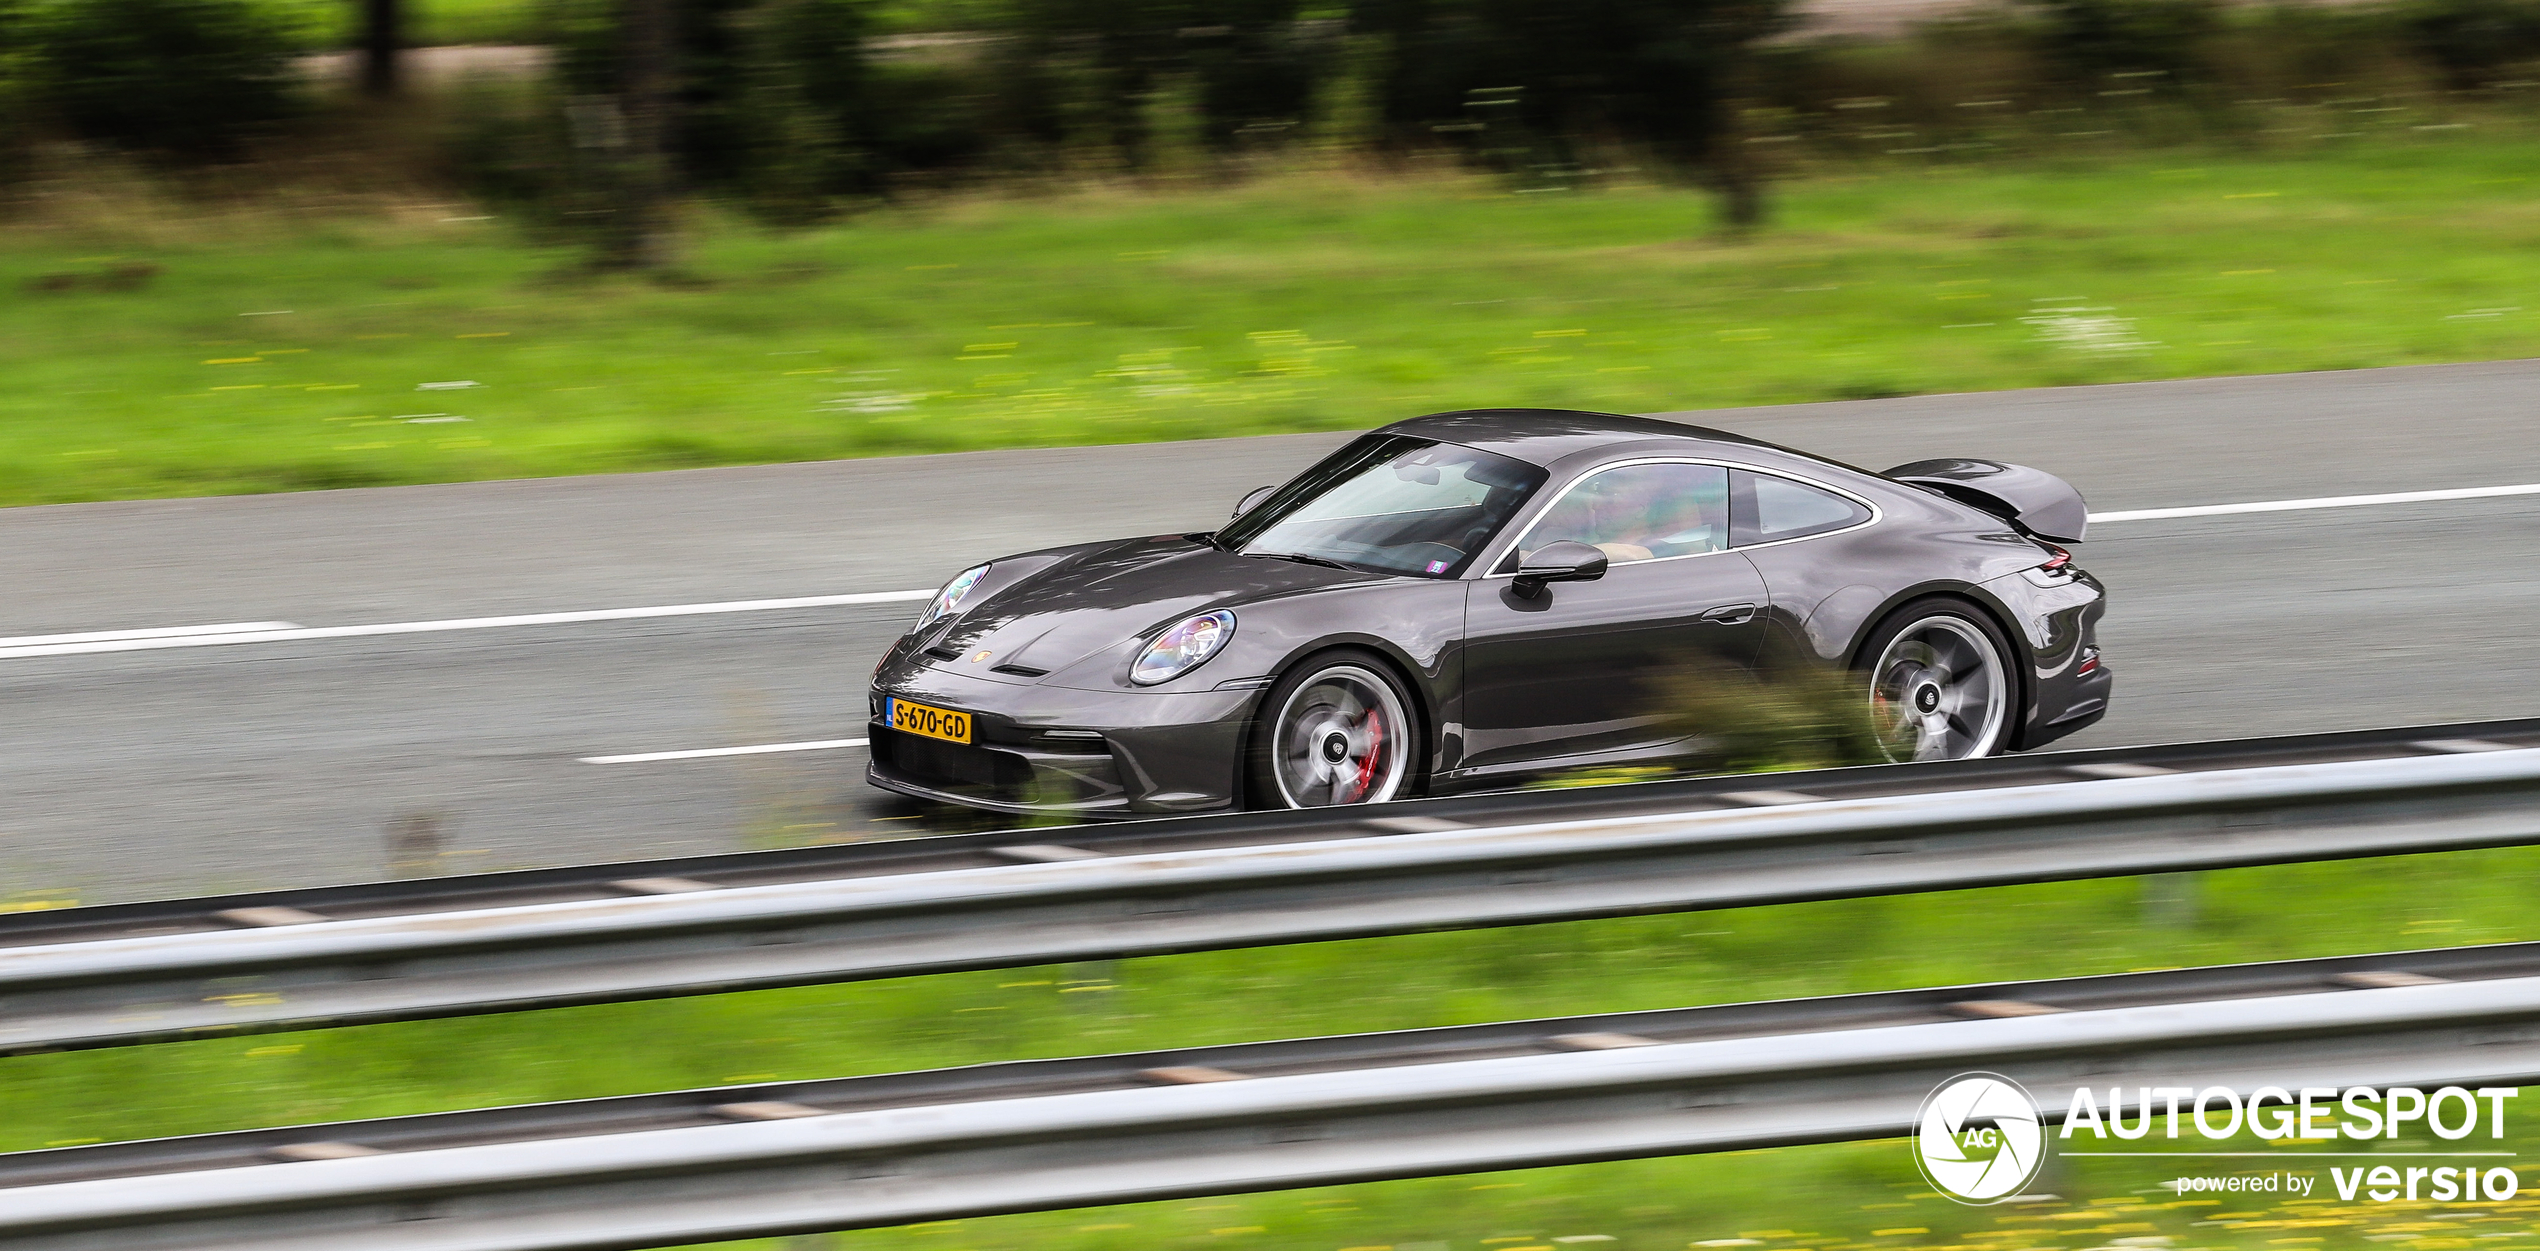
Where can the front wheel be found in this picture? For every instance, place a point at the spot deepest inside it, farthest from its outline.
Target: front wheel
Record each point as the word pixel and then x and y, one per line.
pixel 1336 730
pixel 1940 688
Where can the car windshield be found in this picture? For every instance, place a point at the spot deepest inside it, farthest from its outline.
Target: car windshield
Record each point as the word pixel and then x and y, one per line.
pixel 1391 504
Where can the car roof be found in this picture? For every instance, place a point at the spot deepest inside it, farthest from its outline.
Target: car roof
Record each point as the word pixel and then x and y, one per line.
pixel 1544 436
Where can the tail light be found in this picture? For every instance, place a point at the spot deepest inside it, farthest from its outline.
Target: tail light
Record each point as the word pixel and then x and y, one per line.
pixel 2089 662
pixel 2057 560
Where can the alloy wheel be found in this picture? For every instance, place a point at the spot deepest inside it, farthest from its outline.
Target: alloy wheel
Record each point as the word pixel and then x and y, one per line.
pixel 1939 692
pixel 1342 737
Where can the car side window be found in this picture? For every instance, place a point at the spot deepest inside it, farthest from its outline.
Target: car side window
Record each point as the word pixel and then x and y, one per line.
pixel 1640 512
pixel 1771 509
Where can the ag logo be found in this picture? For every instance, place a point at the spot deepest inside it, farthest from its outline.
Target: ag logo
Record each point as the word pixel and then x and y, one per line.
pixel 1978 1139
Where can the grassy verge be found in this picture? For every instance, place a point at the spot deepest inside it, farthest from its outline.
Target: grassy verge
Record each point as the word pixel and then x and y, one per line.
pixel 275 351
pixel 1825 1197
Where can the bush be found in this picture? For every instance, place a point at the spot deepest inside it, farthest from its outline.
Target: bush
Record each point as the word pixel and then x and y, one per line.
pixel 2089 39
pixel 513 147
pixel 781 105
pixel 2290 47
pixel 1794 715
pixel 182 80
pixel 2467 39
pixel 923 118
pixel 1532 86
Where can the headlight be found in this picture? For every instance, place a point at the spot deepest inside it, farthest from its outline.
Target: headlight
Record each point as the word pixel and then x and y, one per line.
pixel 949 598
pixel 1183 648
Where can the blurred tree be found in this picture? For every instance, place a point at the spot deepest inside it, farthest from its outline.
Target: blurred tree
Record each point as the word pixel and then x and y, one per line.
pixel 820 44
pixel 1122 74
pixel 1346 111
pixel 639 222
pixel 767 99
pixel 15 104
pixel 383 41
pixel 1529 82
pixel 180 80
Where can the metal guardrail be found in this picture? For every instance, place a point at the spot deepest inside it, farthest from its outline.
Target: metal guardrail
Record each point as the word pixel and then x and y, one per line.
pixel 1019 1079
pixel 937 853
pixel 300 975
pixel 1015 1138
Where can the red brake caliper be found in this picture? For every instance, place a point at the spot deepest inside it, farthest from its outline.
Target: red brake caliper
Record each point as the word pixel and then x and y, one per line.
pixel 1375 727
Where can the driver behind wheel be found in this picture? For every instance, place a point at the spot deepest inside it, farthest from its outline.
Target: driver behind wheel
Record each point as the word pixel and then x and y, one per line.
pixel 1641 512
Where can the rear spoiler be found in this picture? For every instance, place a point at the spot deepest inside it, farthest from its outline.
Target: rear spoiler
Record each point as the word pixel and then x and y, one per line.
pixel 2032 499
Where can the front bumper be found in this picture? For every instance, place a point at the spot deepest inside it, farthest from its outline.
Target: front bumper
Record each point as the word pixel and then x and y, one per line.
pixel 1151 755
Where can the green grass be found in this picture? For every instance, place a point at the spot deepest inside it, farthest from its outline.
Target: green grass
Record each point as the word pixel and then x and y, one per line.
pixel 281 351
pixel 1826 1197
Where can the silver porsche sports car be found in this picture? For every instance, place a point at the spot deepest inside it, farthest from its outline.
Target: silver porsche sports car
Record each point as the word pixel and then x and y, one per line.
pixel 1460 601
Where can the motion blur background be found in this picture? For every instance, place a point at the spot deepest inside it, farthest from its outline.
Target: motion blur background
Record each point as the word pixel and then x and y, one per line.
pixel 261 246
pixel 698 233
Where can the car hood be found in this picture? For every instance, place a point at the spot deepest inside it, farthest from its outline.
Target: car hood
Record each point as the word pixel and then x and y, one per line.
pixel 1060 608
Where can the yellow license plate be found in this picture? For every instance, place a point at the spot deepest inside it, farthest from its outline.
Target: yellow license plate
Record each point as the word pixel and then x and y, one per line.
pixel 952 727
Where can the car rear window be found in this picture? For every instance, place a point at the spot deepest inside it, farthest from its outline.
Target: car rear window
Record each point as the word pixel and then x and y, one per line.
pixel 1771 509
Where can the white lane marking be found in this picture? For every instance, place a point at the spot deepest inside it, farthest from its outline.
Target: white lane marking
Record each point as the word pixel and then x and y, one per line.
pixel 642 757
pixel 283 631
pixel 106 636
pixel 2325 501
pixel 460 623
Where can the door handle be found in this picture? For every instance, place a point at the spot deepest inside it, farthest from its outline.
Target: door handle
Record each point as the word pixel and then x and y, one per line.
pixel 1730 614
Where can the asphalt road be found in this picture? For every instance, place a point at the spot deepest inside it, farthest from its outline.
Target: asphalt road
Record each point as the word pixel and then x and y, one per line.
pixel 191 769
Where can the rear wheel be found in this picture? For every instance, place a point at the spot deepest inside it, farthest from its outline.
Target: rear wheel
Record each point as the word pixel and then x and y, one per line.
pixel 1940 683
pixel 1336 730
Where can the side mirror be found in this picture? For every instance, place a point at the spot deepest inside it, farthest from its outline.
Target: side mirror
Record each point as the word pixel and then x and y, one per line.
pixel 1558 562
pixel 1251 498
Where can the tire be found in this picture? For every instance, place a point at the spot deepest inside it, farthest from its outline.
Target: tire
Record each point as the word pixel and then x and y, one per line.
pixel 1337 729
pixel 1941 685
